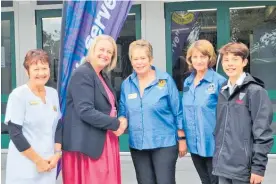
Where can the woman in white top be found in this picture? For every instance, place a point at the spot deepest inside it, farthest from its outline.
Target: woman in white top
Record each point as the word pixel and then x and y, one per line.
pixel 33 117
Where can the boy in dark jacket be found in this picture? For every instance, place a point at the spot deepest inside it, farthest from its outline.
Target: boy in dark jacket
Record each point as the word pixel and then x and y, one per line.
pixel 243 134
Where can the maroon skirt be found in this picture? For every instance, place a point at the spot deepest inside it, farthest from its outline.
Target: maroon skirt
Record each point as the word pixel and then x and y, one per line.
pixel 78 168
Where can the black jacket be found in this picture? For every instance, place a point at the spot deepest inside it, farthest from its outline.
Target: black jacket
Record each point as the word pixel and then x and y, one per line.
pixel 86 118
pixel 243 136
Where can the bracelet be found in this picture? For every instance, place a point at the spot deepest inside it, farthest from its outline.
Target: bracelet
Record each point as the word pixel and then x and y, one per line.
pixel 181 138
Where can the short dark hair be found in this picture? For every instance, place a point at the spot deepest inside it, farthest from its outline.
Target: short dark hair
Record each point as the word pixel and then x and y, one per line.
pixel 34 56
pixel 236 48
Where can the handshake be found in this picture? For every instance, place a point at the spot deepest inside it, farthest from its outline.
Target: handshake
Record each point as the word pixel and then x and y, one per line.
pixel 122 127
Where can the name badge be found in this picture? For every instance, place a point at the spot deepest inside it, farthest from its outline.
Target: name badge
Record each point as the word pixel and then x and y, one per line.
pixel 132 96
pixel 33 102
pixel 55 108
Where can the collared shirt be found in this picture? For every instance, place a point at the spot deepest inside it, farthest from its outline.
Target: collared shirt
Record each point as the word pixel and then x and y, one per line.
pixel 199 112
pixel 39 121
pixel 238 83
pixel 155 117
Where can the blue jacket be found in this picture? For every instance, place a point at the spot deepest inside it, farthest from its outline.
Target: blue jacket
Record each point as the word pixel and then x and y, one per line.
pixel 155 117
pixel 199 112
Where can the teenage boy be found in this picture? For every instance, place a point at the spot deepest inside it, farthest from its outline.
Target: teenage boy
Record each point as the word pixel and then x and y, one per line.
pixel 243 134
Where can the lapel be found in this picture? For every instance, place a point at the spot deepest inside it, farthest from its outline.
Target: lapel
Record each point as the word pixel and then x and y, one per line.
pixel 99 83
pixel 108 83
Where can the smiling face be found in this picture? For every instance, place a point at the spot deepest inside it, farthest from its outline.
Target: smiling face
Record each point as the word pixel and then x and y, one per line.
pixel 39 73
pixel 200 62
pixel 102 54
pixel 233 65
pixel 140 60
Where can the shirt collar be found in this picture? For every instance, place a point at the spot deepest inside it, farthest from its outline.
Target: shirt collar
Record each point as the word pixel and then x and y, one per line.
pixel 207 77
pixel 159 74
pixel 239 81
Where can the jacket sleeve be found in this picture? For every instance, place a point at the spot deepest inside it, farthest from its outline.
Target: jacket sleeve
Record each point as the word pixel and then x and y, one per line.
pixel 175 104
pixel 58 133
pixel 82 91
pixel 261 113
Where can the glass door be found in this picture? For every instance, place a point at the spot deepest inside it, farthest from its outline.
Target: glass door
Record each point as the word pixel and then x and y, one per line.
pixel 8 77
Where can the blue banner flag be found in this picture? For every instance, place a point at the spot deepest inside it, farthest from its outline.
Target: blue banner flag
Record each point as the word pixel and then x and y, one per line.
pixel 82 21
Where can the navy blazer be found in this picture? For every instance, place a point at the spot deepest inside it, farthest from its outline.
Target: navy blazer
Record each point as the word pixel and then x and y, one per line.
pixel 86 118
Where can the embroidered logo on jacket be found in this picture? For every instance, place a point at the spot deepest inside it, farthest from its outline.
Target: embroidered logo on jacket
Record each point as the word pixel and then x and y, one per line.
pixel 161 83
pixel 240 100
pixel 211 88
pixel 241 96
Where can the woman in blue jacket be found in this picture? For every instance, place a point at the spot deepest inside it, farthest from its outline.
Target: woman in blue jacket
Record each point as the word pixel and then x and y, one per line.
pixel 150 101
pixel 200 96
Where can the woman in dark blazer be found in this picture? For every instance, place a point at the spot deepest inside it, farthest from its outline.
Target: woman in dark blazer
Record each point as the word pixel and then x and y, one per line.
pixel 91 127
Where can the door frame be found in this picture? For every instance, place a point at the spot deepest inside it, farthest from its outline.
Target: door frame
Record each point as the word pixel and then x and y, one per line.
pixel 4 97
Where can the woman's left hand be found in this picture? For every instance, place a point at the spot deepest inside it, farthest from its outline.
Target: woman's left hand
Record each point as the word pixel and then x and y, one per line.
pixel 182 148
pixel 54 160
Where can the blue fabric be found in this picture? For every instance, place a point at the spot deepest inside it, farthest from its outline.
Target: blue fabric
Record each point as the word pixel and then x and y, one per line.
pixel 199 112
pixel 155 117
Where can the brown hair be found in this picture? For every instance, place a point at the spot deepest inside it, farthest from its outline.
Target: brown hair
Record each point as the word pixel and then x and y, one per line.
pixel 91 50
pixel 236 48
pixel 140 44
pixel 206 48
pixel 34 56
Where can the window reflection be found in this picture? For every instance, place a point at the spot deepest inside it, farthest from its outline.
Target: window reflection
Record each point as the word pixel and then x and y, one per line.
pixel 256 27
pixel 6 72
pixel 51 43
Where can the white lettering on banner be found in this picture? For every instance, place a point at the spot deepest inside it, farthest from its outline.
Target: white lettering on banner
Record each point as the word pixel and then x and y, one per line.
pixel 175 40
pixel 110 4
pixel 101 14
pixel 98 27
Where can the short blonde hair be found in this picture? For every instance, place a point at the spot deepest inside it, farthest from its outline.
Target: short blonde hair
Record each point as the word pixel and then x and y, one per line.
pixel 91 50
pixel 140 44
pixel 206 48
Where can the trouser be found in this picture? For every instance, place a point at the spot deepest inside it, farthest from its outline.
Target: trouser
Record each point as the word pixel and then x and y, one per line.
pixel 204 169
pixel 155 166
pixel 223 180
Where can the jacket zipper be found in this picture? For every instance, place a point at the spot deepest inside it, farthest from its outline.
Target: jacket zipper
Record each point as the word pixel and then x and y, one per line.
pixel 223 132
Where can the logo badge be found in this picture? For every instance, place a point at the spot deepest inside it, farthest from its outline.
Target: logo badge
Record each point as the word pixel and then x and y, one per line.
pixel 241 96
pixel 211 88
pixel 55 108
pixel 161 83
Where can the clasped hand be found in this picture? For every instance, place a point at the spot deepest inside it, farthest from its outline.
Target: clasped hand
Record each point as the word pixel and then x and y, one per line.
pixel 122 127
pixel 47 165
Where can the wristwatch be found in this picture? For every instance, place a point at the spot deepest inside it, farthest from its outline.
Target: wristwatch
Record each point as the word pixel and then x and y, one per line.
pixel 181 138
